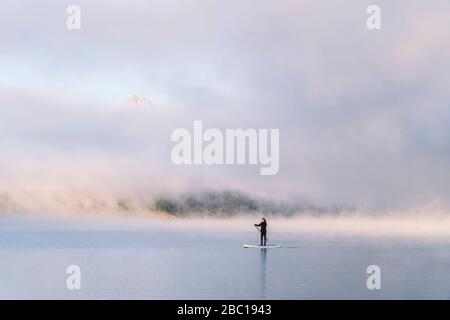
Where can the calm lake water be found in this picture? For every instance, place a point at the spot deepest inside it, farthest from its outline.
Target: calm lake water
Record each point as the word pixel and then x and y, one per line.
pixel 165 260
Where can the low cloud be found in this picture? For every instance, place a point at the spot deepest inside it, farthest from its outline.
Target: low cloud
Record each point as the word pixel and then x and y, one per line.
pixel 363 116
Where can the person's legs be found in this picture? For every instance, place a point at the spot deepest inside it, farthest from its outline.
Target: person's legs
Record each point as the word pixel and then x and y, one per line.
pixel 265 238
pixel 261 242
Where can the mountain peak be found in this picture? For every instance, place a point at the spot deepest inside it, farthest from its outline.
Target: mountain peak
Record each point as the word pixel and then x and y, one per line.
pixel 138 101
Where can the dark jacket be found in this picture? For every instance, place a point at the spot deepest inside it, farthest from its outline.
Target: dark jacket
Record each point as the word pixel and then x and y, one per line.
pixel 263 226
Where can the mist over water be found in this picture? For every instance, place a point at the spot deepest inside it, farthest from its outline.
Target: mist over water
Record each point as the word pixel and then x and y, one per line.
pixel 117 192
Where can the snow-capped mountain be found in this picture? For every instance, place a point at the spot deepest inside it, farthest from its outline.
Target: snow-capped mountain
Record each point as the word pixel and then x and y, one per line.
pixel 138 101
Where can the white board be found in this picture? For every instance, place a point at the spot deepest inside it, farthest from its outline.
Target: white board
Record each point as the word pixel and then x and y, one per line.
pixel 252 246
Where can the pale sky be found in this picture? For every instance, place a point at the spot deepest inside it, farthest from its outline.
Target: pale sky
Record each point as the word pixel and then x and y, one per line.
pixel 364 116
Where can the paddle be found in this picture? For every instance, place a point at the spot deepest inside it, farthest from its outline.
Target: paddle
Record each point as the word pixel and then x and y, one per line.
pixel 267 239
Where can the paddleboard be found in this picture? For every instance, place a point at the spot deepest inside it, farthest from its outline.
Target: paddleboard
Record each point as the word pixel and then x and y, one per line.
pixel 252 246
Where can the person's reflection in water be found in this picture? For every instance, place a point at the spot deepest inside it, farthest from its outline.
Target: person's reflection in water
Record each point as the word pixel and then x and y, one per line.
pixel 263 273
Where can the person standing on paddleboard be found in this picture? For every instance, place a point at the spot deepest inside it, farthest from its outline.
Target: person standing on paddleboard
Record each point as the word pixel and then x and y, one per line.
pixel 263 231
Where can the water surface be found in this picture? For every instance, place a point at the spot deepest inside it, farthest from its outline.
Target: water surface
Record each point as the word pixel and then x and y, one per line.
pixel 158 260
